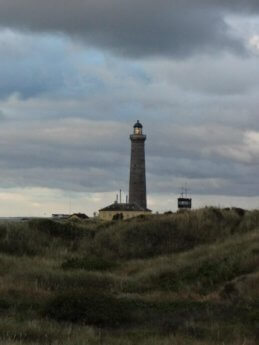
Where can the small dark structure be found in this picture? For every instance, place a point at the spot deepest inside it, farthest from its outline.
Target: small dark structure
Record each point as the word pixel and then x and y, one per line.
pixel 184 203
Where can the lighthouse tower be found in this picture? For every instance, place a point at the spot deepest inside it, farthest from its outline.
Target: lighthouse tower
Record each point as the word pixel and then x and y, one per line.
pixel 137 203
pixel 137 183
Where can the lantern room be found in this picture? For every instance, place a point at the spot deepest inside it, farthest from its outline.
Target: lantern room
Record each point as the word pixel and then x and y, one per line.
pixel 138 128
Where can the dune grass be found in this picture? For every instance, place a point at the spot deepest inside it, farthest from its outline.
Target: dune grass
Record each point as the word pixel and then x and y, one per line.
pixel 184 278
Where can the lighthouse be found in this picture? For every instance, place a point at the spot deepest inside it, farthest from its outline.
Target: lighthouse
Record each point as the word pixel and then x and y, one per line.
pixel 137 182
pixel 137 203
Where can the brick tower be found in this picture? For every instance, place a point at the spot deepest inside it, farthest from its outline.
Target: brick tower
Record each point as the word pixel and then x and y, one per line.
pixel 137 183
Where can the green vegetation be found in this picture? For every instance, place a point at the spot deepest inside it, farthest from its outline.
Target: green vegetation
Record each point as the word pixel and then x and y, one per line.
pixel 183 278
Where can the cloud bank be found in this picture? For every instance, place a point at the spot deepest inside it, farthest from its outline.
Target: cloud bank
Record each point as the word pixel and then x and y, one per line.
pixel 75 76
pixel 136 28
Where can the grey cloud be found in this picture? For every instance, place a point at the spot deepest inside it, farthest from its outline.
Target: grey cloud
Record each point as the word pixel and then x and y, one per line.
pixel 133 28
pixel 2 116
pixel 232 5
pixel 207 140
pixel 82 155
pixel 77 155
pixel 226 76
pixel 31 66
pixel 211 159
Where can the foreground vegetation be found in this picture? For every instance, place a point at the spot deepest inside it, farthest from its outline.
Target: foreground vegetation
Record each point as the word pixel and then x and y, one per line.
pixel 184 278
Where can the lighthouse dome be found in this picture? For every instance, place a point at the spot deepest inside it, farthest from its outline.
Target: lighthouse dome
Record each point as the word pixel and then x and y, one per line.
pixel 138 125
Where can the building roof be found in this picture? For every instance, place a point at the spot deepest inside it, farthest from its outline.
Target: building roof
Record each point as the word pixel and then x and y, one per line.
pixel 124 207
pixel 138 125
pixel 79 215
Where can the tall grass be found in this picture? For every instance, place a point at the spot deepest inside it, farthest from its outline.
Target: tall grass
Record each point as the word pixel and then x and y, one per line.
pixel 184 278
pixel 159 235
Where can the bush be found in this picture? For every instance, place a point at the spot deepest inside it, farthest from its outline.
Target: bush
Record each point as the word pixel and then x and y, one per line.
pixel 65 280
pixel 250 221
pixel 88 263
pixel 66 231
pixel 161 235
pixel 205 268
pixel 133 240
pixel 4 304
pixel 91 309
pixel 19 239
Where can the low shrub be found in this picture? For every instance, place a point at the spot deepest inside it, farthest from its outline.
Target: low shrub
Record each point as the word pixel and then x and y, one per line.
pixel 19 239
pixel 66 231
pixel 249 221
pixel 4 304
pixel 151 236
pixel 203 269
pixel 88 264
pixel 133 240
pixel 92 309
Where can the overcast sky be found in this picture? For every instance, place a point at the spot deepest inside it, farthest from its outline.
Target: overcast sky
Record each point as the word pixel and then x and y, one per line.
pixel 76 75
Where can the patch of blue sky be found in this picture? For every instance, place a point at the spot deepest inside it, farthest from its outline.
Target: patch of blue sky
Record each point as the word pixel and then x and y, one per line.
pixel 49 65
pixel 34 71
pixel 130 70
pixel 139 74
pixel 80 86
pixel 85 55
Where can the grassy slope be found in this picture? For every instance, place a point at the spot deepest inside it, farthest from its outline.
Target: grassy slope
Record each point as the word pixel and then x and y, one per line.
pixel 186 278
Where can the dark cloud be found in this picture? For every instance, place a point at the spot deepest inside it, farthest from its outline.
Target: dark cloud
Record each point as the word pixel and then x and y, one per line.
pixel 200 114
pixel 88 156
pixel 134 28
pixel 31 66
pixel 71 154
pixel 209 76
